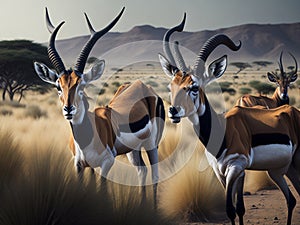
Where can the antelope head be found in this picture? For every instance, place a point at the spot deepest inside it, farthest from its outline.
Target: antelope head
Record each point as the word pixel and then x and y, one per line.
pixel 283 79
pixel 187 85
pixel 71 83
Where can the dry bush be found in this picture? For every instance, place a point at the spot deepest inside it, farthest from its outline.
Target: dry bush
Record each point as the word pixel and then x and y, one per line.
pixel 39 185
pixel 6 112
pixel 35 112
pixel 11 158
pixel 258 180
pixel 12 104
pixel 193 193
pixel 46 191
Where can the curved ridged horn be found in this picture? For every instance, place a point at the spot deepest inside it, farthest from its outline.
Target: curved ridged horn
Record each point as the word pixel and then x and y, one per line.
pixel 211 44
pixel 52 53
pixel 166 44
pixel 81 60
pixel 281 65
pixel 296 67
pixel 179 59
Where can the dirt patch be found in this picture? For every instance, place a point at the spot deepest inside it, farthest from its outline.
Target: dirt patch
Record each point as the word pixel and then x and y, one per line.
pixel 265 207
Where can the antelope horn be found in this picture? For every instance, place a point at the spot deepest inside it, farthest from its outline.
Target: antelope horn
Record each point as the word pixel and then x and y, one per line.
pixel 280 64
pixel 166 43
pixel 296 67
pixel 210 45
pixel 179 59
pixel 52 53
pixel 81 60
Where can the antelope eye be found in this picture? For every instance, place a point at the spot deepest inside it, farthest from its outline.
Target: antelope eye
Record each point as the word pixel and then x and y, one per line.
pixel 175 70
pixel 194 88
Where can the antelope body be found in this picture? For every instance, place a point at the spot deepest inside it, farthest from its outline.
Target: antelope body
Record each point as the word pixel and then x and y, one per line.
pixel 253 138
pixel 133 119
pixel 280 97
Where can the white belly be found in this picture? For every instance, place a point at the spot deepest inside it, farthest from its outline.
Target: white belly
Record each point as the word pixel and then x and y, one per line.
pixel 265 157
pixel 134 140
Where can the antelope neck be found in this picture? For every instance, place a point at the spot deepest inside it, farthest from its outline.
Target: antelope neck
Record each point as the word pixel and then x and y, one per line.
pixel 203 129
pixel 204 132
pixel 83 132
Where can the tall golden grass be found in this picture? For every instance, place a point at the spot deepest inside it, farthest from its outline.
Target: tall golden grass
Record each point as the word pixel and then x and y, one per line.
pixel 39 186
pixel 192 194
pixel 42 188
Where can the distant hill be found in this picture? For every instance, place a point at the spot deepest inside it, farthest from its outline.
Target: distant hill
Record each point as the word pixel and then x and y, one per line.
pixel 259 42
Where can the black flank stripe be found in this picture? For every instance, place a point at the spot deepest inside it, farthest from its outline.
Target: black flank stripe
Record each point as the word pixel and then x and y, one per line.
pixel 160 110
pixel 135 126
pixel 266 139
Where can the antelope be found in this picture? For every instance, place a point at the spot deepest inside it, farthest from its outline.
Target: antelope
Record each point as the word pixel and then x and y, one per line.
pixel 253 138
pixel 134 118
pixel 280 95
pixel 279 98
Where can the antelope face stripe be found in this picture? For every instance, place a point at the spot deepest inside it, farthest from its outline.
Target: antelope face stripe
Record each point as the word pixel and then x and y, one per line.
pixel 184 96
pixel 70 92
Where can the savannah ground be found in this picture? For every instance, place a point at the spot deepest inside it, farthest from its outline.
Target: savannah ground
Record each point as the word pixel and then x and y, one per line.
pixel 38 183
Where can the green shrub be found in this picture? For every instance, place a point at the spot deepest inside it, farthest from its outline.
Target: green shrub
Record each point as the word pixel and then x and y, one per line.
pixel 101 91
pixel 244 90
pixel 260 87
pixel 225 84
pixel 152 83
pixel 6 112
pixel 116 83
pixel 230 91
pixel 254 83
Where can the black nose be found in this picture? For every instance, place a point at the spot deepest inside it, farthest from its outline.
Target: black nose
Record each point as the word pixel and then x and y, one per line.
pixel 173 110
pixel 68 109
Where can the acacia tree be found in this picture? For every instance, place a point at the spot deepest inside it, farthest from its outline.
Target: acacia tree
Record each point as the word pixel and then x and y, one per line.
pixel 262 63
pixel 241 66
pixel 16 66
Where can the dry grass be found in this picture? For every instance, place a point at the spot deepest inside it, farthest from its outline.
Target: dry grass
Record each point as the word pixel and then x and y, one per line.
pixel 42 188
pixel 38 185
pixel 192 195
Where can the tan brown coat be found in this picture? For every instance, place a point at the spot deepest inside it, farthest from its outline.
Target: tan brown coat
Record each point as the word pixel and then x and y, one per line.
pixel 242 123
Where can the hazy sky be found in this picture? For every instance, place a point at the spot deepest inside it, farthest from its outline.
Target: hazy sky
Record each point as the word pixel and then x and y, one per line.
pixel 24 19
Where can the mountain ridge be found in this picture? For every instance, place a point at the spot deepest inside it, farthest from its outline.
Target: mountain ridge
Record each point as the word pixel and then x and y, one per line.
pixel 259 41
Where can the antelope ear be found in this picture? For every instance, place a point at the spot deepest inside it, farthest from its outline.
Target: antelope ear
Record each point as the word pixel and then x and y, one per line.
pixel 293 77
pixel 169 69
pixel 271 77
pixel 95 72
pixel 216 69
pixel 45 73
